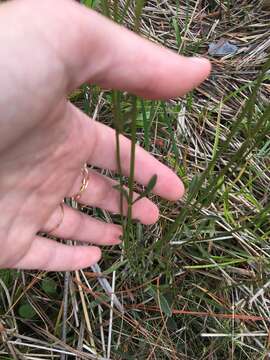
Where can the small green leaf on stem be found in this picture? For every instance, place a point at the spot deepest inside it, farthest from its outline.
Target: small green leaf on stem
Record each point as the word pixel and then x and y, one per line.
pixel 149 187
pixel 122 191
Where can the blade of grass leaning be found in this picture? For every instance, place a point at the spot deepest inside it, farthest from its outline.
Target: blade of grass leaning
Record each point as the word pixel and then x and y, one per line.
pixel 248 110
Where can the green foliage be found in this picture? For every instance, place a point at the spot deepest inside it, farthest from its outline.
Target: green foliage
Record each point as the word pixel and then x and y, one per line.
pixel 7 276
pixel 26 311
pixel 161 301
pixel 49 286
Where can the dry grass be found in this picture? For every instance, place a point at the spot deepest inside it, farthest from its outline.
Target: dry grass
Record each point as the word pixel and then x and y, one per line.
pixel 204 292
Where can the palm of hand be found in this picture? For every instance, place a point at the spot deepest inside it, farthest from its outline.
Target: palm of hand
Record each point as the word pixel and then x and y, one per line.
pixel 46 140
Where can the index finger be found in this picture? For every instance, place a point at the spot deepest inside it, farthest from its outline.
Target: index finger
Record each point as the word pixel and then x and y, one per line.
pixel 128 62
pixel 93 48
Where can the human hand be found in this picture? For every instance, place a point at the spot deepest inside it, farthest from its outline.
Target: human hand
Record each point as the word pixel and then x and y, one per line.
pixel 49 48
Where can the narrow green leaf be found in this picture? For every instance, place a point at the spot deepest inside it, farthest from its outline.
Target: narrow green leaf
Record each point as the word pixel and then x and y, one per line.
pixel 151 184
pixel 149 187
pixel 177 31
pixel 122 190
pixel 138 12
pixel 115 267
pixel 165 307
pixel 161 301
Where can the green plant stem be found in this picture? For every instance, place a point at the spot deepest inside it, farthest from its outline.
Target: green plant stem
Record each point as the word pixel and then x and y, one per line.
pixel 132 162
pixel 106 8
pixel 118 125
pixel 247 112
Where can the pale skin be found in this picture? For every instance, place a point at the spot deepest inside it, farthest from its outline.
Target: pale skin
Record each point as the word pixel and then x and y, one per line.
pixel 49 48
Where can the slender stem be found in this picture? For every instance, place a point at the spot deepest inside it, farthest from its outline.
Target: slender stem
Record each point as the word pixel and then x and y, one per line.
pixel 115 10
pixel 138 11
pixel 106 8
pixel 118 124
pixel 132 161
